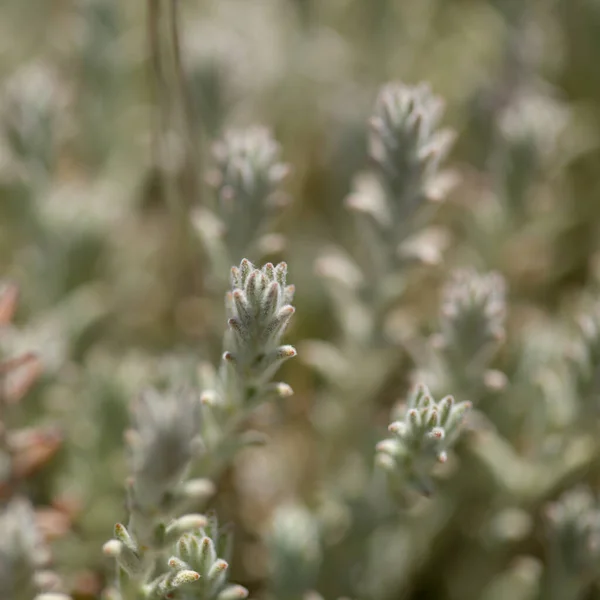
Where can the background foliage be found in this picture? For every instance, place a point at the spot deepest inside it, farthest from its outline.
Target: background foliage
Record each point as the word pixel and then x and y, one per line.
pixel 109 115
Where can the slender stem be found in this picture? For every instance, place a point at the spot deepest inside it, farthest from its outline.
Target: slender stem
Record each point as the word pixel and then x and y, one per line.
pixel 189 124
pixel 156 76
pixel 173 117
pixel 163 127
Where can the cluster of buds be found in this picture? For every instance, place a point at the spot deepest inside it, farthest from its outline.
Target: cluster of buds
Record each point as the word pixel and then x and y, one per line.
pixel 422 438
pixel 197 567
pixel 135 558
pixel 259 308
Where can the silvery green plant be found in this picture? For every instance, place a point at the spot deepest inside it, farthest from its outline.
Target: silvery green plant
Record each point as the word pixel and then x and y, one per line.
pixel 259 310
pixel 473 316
pixel 391 203
pixel 164 439
pixel 24 556
pixel 421 439
pixel 573 534
pixel 471 331
pixel 294 545
pixel 407 147
pixel 197 568
pixel 529 128
pixel 171 429
pixel 246 180
pixel 162 443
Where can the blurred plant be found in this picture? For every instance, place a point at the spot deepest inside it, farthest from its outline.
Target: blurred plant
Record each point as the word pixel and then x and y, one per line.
pixel 472 321
pixel 246 176
pixel 407 148
pixel 585 360
pixel 170 431
pixel 472 328
pixel 18 373
pixel 162 444
pixel 24 556
pixel 519 120
pixel 30 104
pixel 45 220
pixel 394 205
pixel 573 532
pixel 295 550
pixel 70 197
pixel 164 438
pixel 511 218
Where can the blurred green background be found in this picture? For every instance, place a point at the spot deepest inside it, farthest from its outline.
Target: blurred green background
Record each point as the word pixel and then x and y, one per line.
pixel 108 111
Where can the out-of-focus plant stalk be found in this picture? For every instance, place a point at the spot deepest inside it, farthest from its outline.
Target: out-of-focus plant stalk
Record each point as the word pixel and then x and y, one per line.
pixel 176 153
